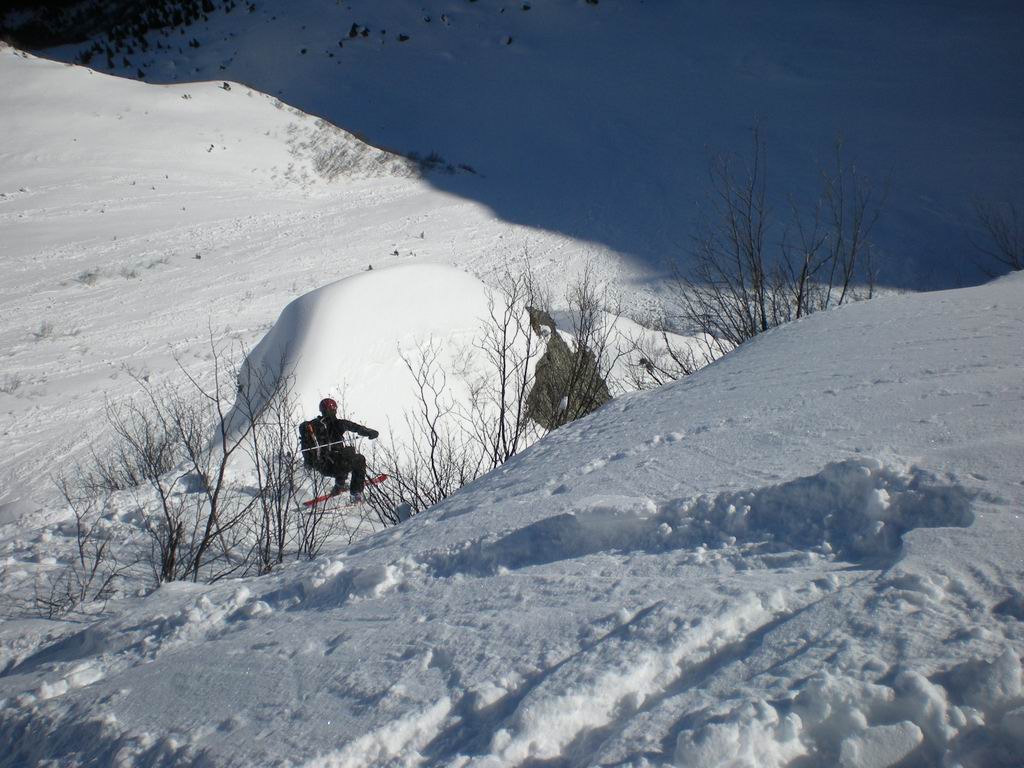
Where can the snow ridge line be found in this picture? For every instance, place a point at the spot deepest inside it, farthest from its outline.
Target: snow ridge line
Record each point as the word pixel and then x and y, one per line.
pixel 857 509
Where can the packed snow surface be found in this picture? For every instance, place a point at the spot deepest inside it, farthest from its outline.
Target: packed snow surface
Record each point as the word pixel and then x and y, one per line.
pixel 808 553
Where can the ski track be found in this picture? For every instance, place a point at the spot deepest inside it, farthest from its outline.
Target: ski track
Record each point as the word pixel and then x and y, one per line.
pixel 653 668
pixel 653 664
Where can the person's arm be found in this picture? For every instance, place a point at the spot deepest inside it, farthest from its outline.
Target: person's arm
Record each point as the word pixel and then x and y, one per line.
pixel 359 429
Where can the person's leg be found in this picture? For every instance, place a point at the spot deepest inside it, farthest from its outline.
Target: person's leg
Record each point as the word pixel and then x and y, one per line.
pixel 336 467
pixel 356 464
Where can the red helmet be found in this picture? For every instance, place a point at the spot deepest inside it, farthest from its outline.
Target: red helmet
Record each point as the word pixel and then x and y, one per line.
pixel 328 404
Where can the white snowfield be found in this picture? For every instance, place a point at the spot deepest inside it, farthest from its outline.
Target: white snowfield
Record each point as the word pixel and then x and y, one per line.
pixel 140 223
pixel 807 554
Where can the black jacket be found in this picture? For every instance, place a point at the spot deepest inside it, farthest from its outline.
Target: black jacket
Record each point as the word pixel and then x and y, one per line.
pixel 326 434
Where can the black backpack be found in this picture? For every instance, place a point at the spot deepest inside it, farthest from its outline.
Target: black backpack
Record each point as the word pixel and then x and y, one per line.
pixel 309 444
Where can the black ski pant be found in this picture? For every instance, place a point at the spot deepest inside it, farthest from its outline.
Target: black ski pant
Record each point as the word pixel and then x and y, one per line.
pixel 340 463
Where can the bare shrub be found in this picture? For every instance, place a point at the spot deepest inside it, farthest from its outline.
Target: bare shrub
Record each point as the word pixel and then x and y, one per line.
pixel 830 261
pixel 319 523
pixel 146 448
pixel 172 449
pixel 452 442
pixel 1002 235
pixel 142 448
pixel 441 454
pixel 658 356
pixel 217 512
pixel 335 153
pixel 94 571
pixel 497 414
pixel 315 524
pixel 47 330
pixel 266 405
pixel 743 283
pixel 511 401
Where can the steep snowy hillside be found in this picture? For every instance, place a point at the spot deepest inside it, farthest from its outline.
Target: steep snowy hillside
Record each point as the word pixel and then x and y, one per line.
pixel 807 554
pixel 140 223
pixel 595 119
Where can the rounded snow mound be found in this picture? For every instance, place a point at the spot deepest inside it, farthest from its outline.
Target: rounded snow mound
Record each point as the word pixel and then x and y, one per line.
pixel 350 340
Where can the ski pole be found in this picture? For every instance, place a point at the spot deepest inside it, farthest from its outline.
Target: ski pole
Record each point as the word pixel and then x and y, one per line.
pixel 325 445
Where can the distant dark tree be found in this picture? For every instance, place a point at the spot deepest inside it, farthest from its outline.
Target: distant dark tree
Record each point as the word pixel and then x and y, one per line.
pixel 48 23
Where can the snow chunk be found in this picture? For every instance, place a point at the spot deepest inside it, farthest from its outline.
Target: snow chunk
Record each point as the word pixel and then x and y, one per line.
pixel 869 724
pixel 927 704
pixel 395 743
pixel 857 508
pixel 985 685
pixel 79 676
pixel 326 570
pixel 485 694
pixel 377 580
pixel 880 746
pixel 52 690
pixel 83 675
pixel 751 736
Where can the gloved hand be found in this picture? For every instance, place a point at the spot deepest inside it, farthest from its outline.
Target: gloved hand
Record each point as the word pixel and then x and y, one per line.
pixel 372 434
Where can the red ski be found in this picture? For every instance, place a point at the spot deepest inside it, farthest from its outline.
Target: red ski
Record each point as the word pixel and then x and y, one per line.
pixel 328 496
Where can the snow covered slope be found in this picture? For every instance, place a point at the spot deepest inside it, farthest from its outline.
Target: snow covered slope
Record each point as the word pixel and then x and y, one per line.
pixel 808 554
pixel 138 223
pixel 595 119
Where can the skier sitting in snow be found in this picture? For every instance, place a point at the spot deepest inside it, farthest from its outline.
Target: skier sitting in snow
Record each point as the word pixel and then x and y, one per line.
pixel 324 449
